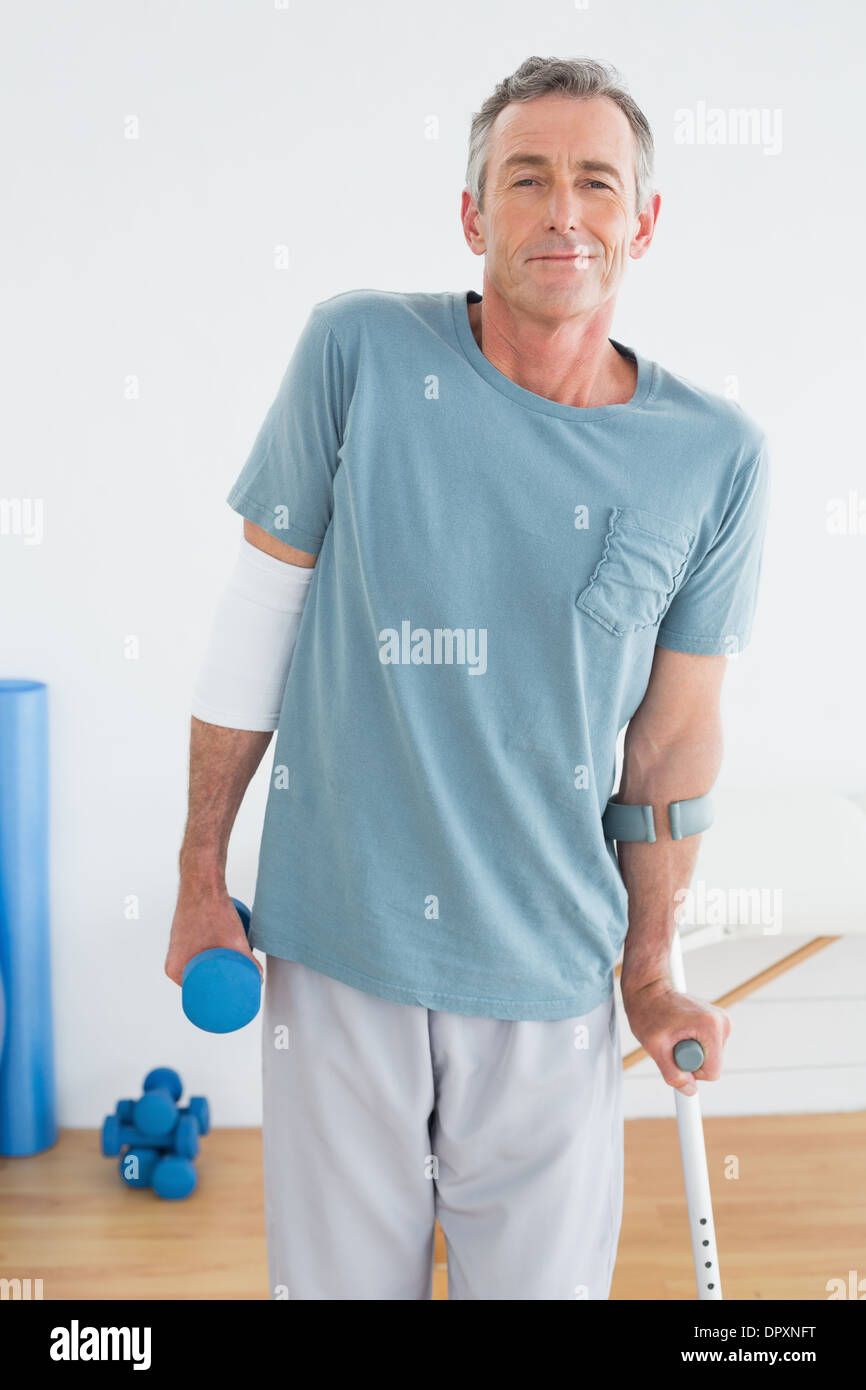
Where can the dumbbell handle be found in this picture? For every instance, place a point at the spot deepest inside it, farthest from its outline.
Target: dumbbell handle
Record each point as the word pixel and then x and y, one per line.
pixel 221 987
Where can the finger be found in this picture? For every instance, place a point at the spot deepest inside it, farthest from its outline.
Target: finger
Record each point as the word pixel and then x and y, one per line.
pixel 714 1048
pixel 711 1069
pixel 677 1078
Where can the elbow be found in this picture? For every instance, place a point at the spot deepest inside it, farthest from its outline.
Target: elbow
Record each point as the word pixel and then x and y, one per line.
pixel 660 768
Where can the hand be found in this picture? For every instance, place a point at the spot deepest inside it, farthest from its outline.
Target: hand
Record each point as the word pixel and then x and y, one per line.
pixel 201 922
pixel 659 1018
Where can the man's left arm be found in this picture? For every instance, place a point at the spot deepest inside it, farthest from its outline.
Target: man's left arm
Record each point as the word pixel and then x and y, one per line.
pixel 673 751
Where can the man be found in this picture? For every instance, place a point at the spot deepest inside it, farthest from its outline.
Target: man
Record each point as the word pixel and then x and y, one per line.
pixel 526 536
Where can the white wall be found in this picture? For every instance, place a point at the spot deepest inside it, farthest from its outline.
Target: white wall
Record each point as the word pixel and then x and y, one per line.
pixel 154 258
pixel 796 1044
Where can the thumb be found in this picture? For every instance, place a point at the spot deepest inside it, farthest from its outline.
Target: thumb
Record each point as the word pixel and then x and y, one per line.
pixel 680 1080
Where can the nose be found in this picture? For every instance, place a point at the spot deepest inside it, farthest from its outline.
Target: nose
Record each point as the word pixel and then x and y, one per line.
pixel 564 209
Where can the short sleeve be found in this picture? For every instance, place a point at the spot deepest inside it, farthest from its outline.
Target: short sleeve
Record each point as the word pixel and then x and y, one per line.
pixel 713 611
pixel 286 485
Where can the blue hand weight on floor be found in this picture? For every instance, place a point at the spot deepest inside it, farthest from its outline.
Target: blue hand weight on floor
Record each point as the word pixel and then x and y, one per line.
pixel 116 1134
pixel 222 989
pixel 183 1138
pixel 174 1178
pixel 200 1111
pixel 156 1111
pixel 27 1101
pixel 137 1166
pixel 164 1079
pixel 156 1117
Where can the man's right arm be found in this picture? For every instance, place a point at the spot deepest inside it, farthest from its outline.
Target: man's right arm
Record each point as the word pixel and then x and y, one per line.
pixel 222 762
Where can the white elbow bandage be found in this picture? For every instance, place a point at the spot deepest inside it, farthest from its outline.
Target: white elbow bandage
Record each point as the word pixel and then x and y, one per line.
pixel 243 676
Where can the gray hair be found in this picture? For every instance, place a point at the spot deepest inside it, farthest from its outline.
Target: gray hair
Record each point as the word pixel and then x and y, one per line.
pixel 573 77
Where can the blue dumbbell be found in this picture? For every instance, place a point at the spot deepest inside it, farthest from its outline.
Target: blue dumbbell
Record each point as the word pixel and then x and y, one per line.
pixel 169 1175
pixel 222 989
pixel 182 1138
pixel 174 1178
pixel 199 1109
pixel 116 1135
pixel 137 1166
pixel 156 1111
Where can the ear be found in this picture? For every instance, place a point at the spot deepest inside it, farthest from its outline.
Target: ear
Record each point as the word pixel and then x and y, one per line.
pixel 645 227
pixel 471 220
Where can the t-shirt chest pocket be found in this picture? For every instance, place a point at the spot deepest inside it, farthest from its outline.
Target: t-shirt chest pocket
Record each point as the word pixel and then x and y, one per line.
pixel 642 563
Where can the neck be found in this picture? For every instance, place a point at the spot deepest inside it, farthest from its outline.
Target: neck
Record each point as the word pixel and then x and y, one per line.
pixel 570 361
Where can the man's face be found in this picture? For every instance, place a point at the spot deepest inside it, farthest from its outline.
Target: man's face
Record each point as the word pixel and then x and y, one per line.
pixel 558 228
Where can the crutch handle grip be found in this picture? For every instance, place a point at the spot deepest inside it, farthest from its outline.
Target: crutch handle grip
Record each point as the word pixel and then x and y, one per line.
pixel 688 1054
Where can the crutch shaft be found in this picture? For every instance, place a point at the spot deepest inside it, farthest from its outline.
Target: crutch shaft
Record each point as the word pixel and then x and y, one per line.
pixel 695 1172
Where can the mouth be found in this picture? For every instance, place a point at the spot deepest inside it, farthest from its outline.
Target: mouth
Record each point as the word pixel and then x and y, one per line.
pixel 575 256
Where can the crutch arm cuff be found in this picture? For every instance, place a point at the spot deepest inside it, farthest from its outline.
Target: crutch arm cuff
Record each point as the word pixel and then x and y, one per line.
pixel 624 821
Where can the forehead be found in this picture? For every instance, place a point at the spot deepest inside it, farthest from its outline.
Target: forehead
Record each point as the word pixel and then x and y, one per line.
pixel 563 127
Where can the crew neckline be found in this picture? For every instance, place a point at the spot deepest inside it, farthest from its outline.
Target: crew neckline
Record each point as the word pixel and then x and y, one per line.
pixel 530 399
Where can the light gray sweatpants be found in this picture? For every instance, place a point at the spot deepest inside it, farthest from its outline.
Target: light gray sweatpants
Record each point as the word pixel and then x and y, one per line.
pixel 380 1116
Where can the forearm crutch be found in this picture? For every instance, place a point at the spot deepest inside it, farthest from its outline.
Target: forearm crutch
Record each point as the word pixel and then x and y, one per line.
pixel 689 1055
pixel 626 821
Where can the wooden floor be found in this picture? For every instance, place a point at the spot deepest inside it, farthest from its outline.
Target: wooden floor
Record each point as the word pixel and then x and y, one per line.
pixel 794 1218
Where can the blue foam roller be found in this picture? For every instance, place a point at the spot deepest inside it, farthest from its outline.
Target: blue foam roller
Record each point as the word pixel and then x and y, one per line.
pixel 174 1178
pixel 28 1122
pixel 221 989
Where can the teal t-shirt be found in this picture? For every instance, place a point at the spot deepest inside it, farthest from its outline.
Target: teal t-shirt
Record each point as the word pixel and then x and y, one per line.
pixel 494 572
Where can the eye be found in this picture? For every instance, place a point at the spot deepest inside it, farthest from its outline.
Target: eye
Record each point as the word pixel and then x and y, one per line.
pixel 599 182
pixel 526 180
